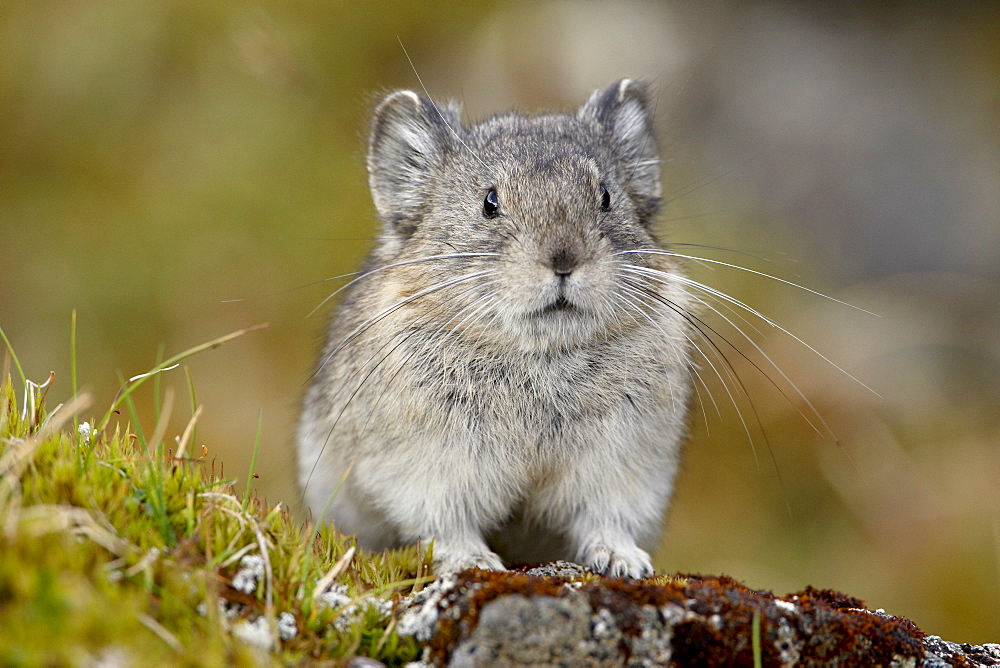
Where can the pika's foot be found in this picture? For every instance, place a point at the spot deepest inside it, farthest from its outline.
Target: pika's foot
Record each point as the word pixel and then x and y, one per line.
pixel 623 561
pixel 487 561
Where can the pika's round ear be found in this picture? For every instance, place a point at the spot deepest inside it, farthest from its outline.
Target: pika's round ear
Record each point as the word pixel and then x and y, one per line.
pixel 409 135
pixel 622 109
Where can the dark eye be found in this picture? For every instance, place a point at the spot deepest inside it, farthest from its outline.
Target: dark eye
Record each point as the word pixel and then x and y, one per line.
pixel 491 205
pixel 605 199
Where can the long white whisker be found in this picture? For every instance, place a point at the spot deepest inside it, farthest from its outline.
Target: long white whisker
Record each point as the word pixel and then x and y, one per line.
pixel 412 332
pixel 697 184
pixel 640 291
pixel 298 287
pixel 434 104
pixel 471 309
pixel 733 311
pixel 366 274
pixel 729 308
pixel 621 299
pixel 668 278
pixel 403 302
pixel 655 324
pixel 483 302
pixel 655 275
pixel 371 371
pixel 649 251
pixel 494 316
pixel 678 244
pixel 444 337
pixel 697 323
pixel 488 300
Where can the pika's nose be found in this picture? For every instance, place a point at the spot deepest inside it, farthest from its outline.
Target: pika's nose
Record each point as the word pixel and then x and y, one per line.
pixel 563 262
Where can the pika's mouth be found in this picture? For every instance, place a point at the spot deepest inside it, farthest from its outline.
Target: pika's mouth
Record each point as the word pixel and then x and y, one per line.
pixel 560 305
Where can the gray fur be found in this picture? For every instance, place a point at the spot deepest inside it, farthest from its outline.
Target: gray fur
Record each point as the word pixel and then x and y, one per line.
pixel 527 394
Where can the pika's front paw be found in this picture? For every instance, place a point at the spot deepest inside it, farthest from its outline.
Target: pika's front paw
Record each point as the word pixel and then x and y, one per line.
pixel 450 562
pixel 622 561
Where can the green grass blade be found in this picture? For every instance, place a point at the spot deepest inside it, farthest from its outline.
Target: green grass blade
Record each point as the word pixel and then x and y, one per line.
pixel 13 355
pixel 72 368
pixel 758 659
pixel 194 404
pixel 136 381
pixel 253 459
pixel 133 414
pixel 158 386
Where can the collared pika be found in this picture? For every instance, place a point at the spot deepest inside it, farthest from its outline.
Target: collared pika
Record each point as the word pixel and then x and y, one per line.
pixel 509 376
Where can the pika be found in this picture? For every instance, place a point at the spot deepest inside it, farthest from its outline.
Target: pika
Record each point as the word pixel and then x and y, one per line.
pixel 509 375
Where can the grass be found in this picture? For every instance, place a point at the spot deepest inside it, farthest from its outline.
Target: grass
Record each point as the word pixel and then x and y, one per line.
pixel 755 640
pixel 122 547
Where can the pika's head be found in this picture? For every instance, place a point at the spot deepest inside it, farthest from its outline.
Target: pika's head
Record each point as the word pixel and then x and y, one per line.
pixel 521 228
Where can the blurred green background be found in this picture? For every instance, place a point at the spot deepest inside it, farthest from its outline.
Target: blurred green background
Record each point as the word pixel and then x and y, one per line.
pixel 160 159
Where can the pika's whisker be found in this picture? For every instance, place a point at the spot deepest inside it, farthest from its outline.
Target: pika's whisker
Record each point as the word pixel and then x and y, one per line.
pixel 296 288
pixel 667 278
pixel 644 291
pixel 411 329
pixel 391 309
pixel 366 274
pixel 650 251
pixel 723 249
pixel 434 104
pixel 623 300
pixel 486 300
pixel 663 277
pixel 700 183
pixel 371 371
pixel 697 323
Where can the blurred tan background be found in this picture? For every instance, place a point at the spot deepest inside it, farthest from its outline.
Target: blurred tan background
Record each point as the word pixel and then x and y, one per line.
pixel 159 159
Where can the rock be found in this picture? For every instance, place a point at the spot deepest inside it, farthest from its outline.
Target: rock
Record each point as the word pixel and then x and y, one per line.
pixel 941 653
pixel 481 618
pixel 558 569
pixel 544 630
pixel 364 662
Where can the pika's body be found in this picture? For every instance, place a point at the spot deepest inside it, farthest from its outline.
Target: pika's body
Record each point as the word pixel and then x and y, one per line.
pixel 510 374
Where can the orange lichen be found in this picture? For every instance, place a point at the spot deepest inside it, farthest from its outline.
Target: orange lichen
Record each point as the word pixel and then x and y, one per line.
pixel 481 588
pixel 705 620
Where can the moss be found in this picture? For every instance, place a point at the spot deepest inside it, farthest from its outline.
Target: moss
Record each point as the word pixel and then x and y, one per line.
pixel 110 547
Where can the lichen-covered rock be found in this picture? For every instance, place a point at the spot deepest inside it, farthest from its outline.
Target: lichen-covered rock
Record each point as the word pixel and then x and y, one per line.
pixel 566 570
pixel 943 654
pixel 479 618
pixel 545 630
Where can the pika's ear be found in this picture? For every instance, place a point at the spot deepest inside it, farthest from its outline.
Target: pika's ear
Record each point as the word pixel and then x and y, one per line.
pixel 622 109
pixel 409 135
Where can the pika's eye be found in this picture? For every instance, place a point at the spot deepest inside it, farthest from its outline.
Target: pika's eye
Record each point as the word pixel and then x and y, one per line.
pixel 605 199
pixel 491 205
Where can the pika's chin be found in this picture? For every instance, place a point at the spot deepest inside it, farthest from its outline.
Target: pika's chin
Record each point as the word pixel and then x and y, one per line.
pixel 554 327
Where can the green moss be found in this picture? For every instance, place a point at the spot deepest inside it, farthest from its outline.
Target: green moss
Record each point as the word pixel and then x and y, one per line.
pixel 112 547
